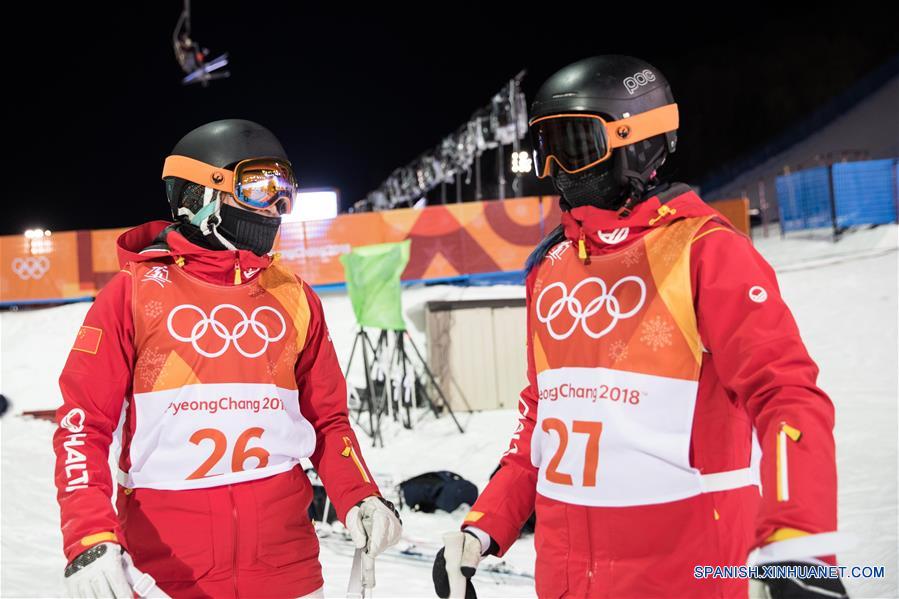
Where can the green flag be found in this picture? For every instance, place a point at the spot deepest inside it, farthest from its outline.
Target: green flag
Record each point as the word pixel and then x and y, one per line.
pixel 373 282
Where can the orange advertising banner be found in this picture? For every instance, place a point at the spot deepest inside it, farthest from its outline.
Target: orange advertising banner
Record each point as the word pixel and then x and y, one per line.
pixel 736 211
pixel 42 268
pixel 448 241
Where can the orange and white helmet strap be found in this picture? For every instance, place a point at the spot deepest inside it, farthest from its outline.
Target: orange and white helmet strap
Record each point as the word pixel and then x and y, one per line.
pixel 199 172
pixel 642 126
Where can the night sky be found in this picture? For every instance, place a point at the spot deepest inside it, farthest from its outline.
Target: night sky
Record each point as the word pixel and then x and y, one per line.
pixel 98 104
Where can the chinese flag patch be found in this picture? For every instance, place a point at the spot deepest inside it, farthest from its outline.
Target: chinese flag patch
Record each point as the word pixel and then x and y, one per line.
pixel 88 340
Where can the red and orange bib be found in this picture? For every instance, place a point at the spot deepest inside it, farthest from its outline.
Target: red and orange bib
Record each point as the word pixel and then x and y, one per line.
pixel 618 356
pixel 215 394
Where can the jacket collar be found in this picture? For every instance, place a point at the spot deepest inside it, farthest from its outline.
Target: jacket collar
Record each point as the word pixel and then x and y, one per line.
pixel 222 267
pixel 597 231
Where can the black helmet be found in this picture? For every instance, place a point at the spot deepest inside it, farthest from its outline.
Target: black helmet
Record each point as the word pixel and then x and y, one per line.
pixel 235 157
pixel 613 88
pixel 223 144
pixel 611 85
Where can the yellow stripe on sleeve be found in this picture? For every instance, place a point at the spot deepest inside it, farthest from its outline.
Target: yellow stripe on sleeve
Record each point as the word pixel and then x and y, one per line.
pixel 100 537
pixel 474 516
pixel 783 534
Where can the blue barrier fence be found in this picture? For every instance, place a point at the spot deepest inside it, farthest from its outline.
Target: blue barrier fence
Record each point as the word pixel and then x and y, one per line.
pixel 804 200
pixel 842 195
pixel 865 192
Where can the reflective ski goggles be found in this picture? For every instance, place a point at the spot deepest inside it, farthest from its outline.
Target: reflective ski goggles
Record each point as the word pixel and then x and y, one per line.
pixel 257 183
pixel 576 142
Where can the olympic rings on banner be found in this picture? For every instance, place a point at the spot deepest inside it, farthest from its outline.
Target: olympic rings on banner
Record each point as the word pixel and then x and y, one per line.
pixel 31 267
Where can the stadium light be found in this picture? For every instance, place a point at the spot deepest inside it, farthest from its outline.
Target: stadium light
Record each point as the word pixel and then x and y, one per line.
pixel 38 241
pixel 313 204
pixel 521 162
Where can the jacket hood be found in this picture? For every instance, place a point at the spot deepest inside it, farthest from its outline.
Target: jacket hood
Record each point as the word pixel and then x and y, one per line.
pixel 218 266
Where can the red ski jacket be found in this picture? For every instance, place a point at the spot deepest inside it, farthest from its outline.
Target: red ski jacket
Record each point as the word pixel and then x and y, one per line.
pixel 662 361
pixel 207 371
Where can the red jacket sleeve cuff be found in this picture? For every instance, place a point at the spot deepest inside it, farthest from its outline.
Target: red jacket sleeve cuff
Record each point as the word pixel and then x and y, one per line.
pixel 505 505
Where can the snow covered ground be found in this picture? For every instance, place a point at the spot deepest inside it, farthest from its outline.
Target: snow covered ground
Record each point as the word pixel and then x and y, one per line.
pixel 844 296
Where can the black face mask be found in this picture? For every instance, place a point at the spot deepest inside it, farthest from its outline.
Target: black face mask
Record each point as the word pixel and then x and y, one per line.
pixel 597 186
pixel 248 230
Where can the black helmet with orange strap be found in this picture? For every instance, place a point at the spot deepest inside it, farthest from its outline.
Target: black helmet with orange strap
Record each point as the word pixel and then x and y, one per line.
pixel 224 160
pixel 207 155
pixel 601 127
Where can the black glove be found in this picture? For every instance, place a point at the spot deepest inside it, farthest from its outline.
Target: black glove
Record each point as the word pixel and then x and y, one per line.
pixel 465 554
pixel 811 587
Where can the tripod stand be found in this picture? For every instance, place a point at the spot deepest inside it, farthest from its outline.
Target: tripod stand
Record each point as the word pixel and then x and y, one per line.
pixel 409 386
pixel 367 400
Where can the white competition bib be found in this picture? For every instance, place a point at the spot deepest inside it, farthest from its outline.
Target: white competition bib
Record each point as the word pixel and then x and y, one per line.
pixel 213 434
pixel 614 438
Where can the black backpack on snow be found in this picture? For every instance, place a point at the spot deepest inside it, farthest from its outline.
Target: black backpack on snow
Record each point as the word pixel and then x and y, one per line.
pixel 433 491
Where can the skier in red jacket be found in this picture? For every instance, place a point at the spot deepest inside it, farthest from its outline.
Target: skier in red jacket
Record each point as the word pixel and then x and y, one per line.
pixel 210 364
pixel 667 379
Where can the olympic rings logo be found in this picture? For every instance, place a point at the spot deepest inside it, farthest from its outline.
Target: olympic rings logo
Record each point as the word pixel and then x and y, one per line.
pixel 605 299
pixel 205 323
pixel 31 267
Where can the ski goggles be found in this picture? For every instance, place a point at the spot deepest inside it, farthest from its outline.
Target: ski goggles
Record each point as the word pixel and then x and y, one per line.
pixel 576 142
pixel 257 184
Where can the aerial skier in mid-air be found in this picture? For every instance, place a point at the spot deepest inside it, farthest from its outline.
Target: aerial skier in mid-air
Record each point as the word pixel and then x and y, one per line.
pixel 193 58
pixel 659 349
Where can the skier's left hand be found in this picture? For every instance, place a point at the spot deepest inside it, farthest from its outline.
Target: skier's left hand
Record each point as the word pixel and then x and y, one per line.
pixel 797 588
pixel 374 525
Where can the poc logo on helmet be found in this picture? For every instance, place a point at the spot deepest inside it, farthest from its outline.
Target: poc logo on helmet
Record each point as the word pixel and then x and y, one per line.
pixel 638 80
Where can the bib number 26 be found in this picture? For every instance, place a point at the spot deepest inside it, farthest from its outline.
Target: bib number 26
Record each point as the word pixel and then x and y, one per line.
pixel 220 447
pixel 593 430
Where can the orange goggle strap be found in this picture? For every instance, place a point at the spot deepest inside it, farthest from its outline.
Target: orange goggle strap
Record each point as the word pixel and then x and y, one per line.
pixel 625 131
pixel 642 126
pixel 199 172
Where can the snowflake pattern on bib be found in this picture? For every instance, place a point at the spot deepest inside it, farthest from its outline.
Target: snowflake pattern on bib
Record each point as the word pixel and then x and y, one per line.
pixel 656 333
pixel 618 351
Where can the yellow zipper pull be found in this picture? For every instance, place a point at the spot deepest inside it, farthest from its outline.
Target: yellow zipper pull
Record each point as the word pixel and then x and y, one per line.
pixel 237 279
pixel 791 432
pixel 348 452
pixel 663 211
pixel 180 261
pixel 582 248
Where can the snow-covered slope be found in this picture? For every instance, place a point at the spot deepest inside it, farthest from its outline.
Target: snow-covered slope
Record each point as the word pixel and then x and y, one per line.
pixel 844 297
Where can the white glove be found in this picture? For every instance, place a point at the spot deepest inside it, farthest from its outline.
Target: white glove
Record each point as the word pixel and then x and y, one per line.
pixel 455 564
pixel 105 570
pixel 374 525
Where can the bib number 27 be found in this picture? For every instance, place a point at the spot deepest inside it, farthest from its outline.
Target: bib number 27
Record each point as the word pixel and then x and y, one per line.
pixel 593 430
pixel 220 447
